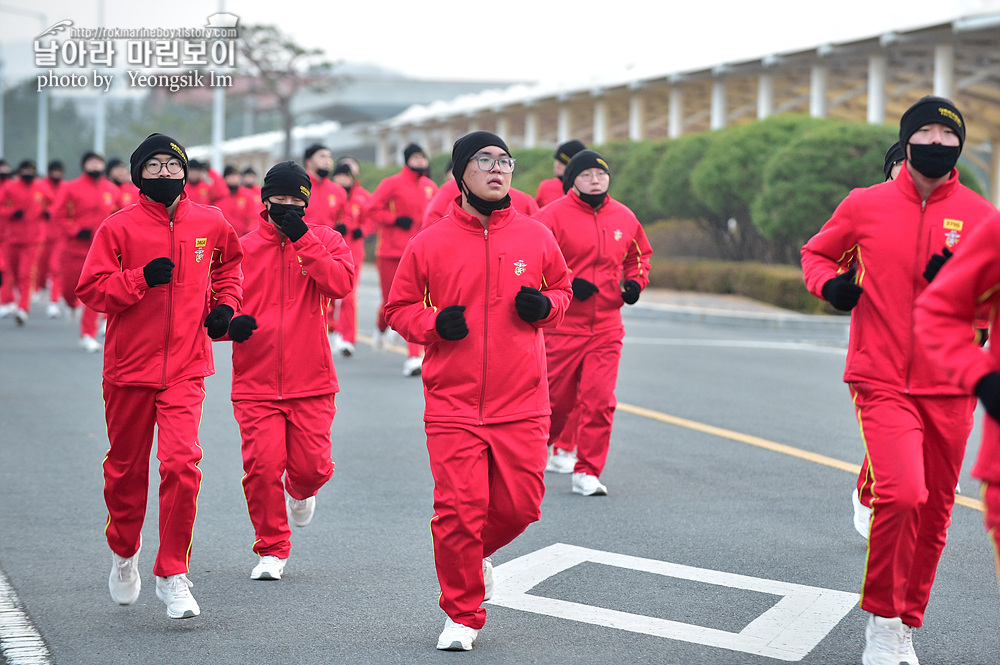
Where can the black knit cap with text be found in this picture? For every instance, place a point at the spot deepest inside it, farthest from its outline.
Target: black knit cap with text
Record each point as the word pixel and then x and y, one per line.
pixel 931 109
pixel 583 160
pixel 155 144
pixel 286 179
pixel 567 150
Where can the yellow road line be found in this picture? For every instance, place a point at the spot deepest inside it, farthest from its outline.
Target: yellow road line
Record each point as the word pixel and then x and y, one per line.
pixel 773 446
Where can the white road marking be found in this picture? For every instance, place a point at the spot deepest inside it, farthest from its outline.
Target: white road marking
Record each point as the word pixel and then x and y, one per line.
pixel 20 643
pixel 738 344
pixel 788 631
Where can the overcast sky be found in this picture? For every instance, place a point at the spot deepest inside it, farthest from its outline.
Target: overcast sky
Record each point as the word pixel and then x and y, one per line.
pixel 530 40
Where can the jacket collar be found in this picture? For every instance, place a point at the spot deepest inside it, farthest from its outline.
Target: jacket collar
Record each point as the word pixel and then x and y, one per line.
pixel 266 229
pixel 906 185
pixel 158 211
pixel 498 219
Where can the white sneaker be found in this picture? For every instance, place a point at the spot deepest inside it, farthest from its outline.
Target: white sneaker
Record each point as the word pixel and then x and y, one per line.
pixel 862 515
pixel 488 578
pixel 53 311
pixel 906 653
pixel 456 637
pixel 335 340
pixel 21 316
pixel 411 366
pixel 175 591
pixel 561 461
pixel 588 485
pixel 300 512
pixel 124 582
pixel 346 349
pixel 883 641
pixel 378 341
pixel 269 568
pixel 89 344
pixel 7 310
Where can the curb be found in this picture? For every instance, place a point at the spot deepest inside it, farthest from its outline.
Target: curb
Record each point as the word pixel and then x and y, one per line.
pixel 724 317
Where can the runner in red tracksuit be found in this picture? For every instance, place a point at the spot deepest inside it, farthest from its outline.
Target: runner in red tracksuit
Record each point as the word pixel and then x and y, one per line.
pixel 354 226
pixel 117 173
pixel 156 268
pixel 607 251
pixel 284 380
pixel 448 192
pixel 552 189
pixel 79 208
pixel 914 424
pixel 205 184
pixel 240 207
pixel 944 319
pixel 468 288
pixel 23 202
pixel 48 259
pixel 396 209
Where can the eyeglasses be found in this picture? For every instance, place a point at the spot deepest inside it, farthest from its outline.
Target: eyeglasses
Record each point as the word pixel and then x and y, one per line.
pixel 597 174
pixel 154 166
pixel 486 163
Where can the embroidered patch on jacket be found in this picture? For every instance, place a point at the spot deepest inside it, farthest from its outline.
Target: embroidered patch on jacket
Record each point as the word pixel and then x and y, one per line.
pixel 199 252
pixel 618 234
pixel 300 265
pixel 952 231
pixel 519 267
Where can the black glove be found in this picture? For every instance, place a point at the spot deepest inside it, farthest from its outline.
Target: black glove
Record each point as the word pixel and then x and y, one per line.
pixel 84 234
pixel 357 234
pixel 46 215
pixel 404 222
pixel 218 320
pixel 937 260
pixel 450 322
pixel 582 289
pixel 341 229
pixel 292 224
pixel 18 214
pixel 531 304
pixel 242 327
pixel 842 292
pixel 158 271
pixel 982 336
pixel 631 293
pixel 988 392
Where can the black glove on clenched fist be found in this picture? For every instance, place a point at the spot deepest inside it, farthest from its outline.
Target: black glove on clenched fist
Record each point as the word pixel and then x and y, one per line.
pixel 84 234
pixel 218 321
pixel 341 229
pixel 842 292
pixel 450 322
pixel 988 392
pixel 357 234
pixel 582 289
pixel 158 271
pixel 937 260
pixel 292 224
pixel 242 327
pixel 17 214
pixel 404 222
pixel 631 293
pixel 531 304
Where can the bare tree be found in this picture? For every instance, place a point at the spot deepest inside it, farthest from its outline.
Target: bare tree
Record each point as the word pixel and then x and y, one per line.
pixel 278 68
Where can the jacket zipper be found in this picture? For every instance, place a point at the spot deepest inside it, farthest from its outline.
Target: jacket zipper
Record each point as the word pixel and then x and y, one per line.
pixel 597 261
pixel 916 283
pixel 170 302
pixel 281 314
pixel 486 321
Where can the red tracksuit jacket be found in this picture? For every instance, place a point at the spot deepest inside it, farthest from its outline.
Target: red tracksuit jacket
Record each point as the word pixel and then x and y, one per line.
pixel 31 200
pixel 405 194
pixel 944 318
pixel 352 215
pixel 207 192
pixel 155 336
pixel 448 192
pixel 326 197
pixel 548 191
pixel 82 204
pixel 604 246
pixel 287 289
pixel 127 194
pixel 889 233
pixel 240 210
pixel 496 373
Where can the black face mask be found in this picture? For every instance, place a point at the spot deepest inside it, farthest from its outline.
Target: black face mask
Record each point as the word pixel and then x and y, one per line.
pixel 55 180
pixel 594 200
pixel 322 173
pixel 934 160
pixel 4 176
pixel 481 205
pixel 233 189
pixel 94 174
pixel 277 211
pixel 27 178
pixel 419 172
pixel 162 190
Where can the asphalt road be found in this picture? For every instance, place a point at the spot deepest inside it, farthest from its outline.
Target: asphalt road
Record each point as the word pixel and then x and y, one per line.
pixel 703 532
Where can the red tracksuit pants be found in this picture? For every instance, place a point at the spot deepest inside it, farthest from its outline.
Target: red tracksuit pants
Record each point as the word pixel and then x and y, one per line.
pixel 583 371
pixel 48 269
pixel 915 445
pixel 386 271
pixel 21 260
pixel 488 487
pixel 289 438
pixel 131 414
pixel 73 256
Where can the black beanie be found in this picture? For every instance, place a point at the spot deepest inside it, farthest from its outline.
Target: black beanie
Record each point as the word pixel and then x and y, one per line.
pixel 27 164
pixel 56 165
pixel 312 150
pixel 411 150
pixel 469 145
pixel 286 179
pixel 155 144
pixel 930 109
pixel 90 154
pixel 583 160
pixel 230 170
pixel 112 163
pixel 343 168
pixel 567 150
pixel 892 155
